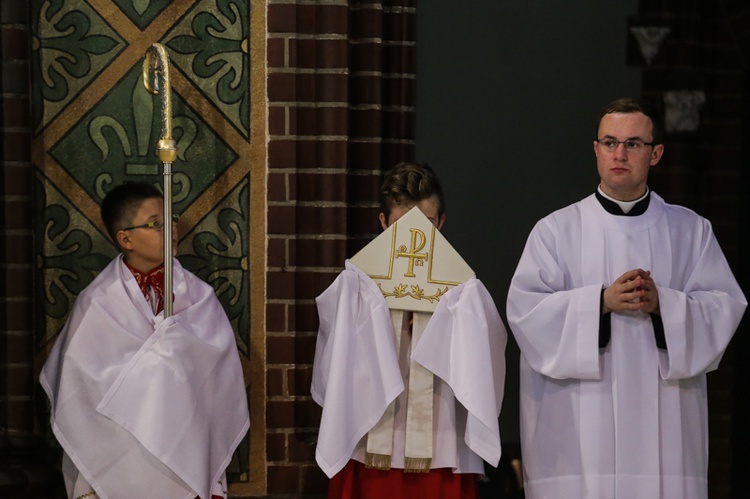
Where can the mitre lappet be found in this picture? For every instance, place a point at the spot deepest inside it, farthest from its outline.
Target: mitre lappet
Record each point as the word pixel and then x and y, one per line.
pixel 409 274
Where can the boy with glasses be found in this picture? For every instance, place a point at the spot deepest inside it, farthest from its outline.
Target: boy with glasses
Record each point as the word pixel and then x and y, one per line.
pixel 620 304
pixel 145 406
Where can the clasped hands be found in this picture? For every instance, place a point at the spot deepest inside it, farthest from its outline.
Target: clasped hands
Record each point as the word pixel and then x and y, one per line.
pixel 633 290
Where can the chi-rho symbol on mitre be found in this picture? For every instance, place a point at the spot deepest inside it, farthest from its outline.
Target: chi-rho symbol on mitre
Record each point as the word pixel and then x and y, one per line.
pixel 412 263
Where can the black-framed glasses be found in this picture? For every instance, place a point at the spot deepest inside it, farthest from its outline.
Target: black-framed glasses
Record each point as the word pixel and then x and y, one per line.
pixel 631 145
pixel 154 224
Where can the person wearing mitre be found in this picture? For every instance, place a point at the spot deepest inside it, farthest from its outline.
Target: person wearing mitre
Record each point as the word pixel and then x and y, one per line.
pixel 409 363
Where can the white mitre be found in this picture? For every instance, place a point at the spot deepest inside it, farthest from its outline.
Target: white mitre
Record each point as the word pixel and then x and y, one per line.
pixel 412 263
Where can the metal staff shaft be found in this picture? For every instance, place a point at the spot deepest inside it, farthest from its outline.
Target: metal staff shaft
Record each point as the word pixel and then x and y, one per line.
pixel 156 63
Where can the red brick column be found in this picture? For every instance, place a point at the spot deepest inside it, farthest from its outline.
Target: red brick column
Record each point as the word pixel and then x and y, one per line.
pixel 341 89
pixel 16 241
pixel 24 470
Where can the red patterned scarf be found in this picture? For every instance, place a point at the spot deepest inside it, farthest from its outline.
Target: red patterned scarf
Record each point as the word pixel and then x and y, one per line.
pixel 153 279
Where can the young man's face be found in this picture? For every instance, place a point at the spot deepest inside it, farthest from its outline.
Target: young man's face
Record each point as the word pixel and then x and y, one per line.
pixel 625 174
pixel 428 206
pixel 143 247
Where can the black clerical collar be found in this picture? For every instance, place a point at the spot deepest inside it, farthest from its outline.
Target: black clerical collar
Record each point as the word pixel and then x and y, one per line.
pixel 614 209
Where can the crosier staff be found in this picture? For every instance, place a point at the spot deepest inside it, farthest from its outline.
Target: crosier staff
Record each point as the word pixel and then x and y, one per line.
pixel 156 79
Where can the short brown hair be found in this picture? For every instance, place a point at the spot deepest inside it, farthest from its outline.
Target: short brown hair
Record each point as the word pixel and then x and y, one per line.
pixel 627 105
pixel 410 183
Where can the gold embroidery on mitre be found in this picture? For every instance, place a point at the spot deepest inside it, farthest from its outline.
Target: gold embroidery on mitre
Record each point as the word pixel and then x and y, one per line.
pixel 412 263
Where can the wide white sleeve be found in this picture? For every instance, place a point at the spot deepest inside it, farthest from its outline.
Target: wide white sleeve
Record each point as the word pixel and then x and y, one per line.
pixel 555 324
pixel 699 319
pixel 464 345
pixel 355 371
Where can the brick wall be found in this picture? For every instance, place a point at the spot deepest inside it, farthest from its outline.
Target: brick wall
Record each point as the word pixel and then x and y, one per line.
pixel 707 50
pixel 341 88
pixel 16 318
pixel 25 469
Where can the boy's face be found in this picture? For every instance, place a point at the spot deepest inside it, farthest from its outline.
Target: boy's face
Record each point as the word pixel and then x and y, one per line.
pixel 428 206
pixel 143 247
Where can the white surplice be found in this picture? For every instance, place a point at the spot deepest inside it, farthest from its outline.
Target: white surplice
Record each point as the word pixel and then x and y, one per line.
pixel 357 374
pixel 145 406
pixel 628 421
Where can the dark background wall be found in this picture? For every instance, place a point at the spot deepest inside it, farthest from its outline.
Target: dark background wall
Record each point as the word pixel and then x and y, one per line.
pixel 507 99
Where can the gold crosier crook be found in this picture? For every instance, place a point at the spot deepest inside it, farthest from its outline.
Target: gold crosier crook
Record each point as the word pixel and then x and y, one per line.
pixel 157 62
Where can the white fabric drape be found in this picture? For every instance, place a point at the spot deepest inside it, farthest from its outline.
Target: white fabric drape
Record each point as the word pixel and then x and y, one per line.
pixel 357 375
pixel 143 406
